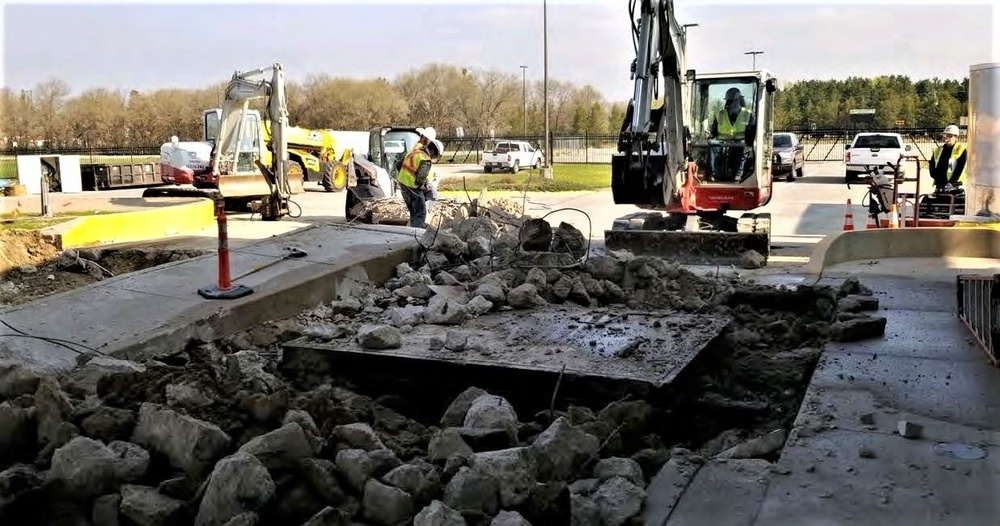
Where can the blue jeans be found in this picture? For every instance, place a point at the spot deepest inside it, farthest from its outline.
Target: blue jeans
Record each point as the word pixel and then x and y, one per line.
pixel 416 204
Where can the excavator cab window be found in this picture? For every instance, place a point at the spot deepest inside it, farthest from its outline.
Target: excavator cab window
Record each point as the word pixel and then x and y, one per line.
pixel 724 119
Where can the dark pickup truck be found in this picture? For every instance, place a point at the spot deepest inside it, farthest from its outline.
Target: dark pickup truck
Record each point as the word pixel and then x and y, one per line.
pixel 788 156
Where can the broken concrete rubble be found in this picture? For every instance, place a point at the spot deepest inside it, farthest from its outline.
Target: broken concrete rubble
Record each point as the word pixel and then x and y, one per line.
pixel 245 430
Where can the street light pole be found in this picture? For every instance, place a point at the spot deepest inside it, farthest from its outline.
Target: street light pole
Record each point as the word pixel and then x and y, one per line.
pixel 754 53
pixel 524 100
pixel 547 169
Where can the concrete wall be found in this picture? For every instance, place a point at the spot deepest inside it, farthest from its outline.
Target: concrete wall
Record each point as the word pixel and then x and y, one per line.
pixel 922 242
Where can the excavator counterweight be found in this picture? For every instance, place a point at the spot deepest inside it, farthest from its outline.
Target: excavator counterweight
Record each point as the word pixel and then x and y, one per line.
pixel 697 151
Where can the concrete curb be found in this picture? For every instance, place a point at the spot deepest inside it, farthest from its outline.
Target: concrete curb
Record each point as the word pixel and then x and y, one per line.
pixel 922 242
pixel 286 296
pixel 138 225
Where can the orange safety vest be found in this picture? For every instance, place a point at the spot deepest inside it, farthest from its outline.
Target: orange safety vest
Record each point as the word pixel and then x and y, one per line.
pixel 407 175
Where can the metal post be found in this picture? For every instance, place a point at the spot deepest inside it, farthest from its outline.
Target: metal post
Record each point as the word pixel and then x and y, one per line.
pixel 45 197
pixel 754 54
pixel 524 100
pixel 547 169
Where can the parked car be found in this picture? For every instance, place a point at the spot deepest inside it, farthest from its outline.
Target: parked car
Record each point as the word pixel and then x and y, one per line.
pixel 511 155
pixel 788 156
pixel 870 149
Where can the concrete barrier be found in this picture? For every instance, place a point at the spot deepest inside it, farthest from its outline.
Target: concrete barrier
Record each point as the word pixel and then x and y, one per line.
pixel 154 222
pixel 923 242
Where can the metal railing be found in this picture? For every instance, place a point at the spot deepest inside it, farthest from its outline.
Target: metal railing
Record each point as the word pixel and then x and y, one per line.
pixel 979 310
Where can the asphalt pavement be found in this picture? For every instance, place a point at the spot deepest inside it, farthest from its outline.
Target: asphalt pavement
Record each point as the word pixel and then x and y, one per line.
pixel 802 211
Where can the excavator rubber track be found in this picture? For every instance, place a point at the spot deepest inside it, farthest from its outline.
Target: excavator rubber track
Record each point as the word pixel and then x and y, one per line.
pixel 652 234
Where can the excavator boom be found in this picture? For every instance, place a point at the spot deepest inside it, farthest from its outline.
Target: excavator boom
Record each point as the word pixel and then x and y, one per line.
pixel 674 156
pixel 236 159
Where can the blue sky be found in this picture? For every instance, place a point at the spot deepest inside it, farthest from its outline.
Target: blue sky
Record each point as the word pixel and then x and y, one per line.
pixel 136 45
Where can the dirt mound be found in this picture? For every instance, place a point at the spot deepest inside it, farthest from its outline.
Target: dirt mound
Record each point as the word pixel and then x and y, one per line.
pixel 24 247
pixel 39 269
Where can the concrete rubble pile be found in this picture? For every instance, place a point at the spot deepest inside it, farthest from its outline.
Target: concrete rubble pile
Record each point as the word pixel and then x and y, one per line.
pixel 221 434
pixel 441 213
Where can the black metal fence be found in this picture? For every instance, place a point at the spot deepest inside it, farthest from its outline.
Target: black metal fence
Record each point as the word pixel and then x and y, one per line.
pixel 979 310
pixel 820 145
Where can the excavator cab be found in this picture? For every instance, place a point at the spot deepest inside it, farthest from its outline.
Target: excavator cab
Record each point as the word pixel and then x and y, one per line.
pixel 730 141
pixel 237 174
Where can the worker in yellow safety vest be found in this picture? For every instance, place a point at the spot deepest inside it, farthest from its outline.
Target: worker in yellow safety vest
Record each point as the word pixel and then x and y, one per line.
pixel 413 178
pixel 948 161
pixel 732 123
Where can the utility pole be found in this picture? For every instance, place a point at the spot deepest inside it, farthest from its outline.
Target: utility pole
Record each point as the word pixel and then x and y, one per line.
pixel 524 100
pixel 754 53
pixel 547 169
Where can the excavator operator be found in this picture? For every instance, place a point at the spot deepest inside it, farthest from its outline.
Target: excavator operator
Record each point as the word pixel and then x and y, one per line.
pixel 731 124
pixel 413 179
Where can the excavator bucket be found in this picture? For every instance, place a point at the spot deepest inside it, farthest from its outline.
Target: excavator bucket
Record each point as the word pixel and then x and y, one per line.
pixel 255 184
pixel 652 234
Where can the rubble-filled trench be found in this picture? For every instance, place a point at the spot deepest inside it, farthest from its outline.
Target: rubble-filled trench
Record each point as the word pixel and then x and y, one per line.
pixel 31 266
pixel 234 432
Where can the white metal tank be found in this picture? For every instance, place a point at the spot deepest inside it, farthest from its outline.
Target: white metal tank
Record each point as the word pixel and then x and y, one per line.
pixel 983 170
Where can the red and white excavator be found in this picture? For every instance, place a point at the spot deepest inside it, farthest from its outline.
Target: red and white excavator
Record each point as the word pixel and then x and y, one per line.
pixel 701 153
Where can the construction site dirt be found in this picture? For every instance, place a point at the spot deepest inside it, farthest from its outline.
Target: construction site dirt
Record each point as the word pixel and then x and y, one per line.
pixel 434 395
pixel 31 267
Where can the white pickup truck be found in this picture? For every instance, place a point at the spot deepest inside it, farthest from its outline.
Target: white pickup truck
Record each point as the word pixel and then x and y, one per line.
pixel 869 149
pixel 511 155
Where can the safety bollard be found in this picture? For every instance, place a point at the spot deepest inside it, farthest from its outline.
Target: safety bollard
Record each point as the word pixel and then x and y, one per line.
pixel 224 290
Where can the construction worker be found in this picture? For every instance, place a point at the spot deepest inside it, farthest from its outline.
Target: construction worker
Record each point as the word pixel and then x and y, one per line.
pixel 733 119
pixel 732 123
pixel 413 180
pixel 947 164
pixel 427 135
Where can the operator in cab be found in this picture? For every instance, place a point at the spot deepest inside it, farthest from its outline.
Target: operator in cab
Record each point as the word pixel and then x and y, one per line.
pixel 733 120
pixel 733 123
pixel 947 163
pixel 414 177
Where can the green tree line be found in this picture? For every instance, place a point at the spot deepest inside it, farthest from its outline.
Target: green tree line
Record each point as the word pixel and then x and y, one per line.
pixel 479 102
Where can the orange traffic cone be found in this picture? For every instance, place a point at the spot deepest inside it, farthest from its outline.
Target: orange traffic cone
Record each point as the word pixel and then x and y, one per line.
pixel 893 216
pixel 871 223
pixel 848 217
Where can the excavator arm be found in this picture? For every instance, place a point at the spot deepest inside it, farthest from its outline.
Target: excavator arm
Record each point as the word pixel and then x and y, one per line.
pixel 241 90
pixel 651 148
pixel 663 162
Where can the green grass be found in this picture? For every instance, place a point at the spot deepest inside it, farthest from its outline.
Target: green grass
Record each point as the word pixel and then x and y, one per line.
pixel 31 223
pixel 565 178
pixel 8 165
pixel 10 215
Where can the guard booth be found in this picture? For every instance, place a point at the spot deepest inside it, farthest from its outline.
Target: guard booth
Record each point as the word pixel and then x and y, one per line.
pixel 862 119
pixel 61 171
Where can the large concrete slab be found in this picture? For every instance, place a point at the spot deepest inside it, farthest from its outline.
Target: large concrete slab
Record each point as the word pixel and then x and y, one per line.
pixel 647 347
pixel 158 309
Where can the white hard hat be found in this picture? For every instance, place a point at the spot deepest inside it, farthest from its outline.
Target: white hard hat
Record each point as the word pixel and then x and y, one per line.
pixel 951 129
pixel 428 132
pixel 438 146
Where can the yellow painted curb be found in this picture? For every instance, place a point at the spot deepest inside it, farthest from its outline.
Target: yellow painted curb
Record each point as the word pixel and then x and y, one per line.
pixel 140 225
pixel 920 242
